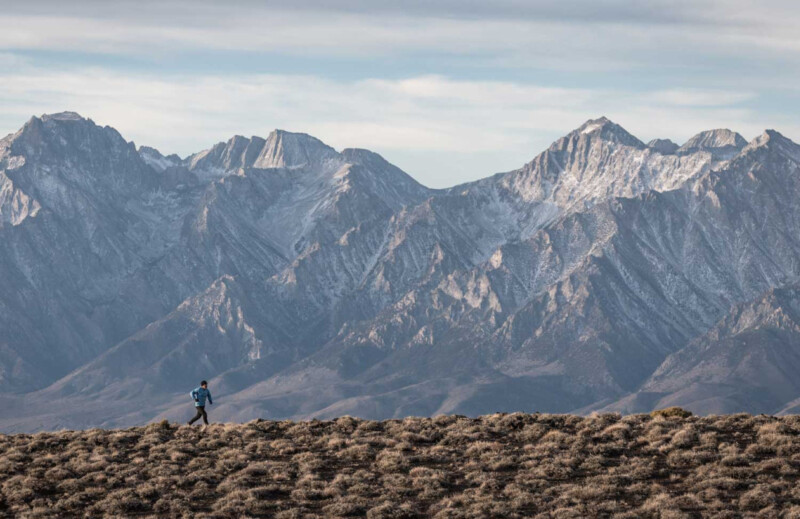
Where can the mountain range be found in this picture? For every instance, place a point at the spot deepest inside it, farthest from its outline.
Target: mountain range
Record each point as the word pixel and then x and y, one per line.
pixel 301 281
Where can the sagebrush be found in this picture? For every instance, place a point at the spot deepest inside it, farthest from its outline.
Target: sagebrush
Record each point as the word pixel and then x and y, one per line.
pixel 503 465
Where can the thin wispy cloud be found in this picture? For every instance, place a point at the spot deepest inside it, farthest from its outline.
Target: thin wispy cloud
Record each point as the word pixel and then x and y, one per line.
pixel 696 97
pixel 448 90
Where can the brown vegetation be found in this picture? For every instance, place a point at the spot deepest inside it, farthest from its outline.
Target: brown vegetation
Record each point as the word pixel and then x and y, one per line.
pixel 503 465
pixel 671 412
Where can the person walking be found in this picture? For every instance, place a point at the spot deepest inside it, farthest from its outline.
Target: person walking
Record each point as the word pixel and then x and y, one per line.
pixel 200 395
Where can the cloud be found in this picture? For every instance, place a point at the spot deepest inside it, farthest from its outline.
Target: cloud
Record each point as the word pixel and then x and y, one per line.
pixel 451 90
pixel 500 121
pixel 581 35
pixel 709 12
pixel 425 113
pixel 697 97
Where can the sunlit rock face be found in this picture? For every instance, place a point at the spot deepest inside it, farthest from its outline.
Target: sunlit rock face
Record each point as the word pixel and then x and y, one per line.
pixel 303 281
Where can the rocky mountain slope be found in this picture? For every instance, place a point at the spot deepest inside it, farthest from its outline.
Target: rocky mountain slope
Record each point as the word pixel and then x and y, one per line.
pixel 302 281
pixel 747 361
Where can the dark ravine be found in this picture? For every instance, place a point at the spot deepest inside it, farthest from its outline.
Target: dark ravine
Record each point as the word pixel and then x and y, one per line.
pixel 306 282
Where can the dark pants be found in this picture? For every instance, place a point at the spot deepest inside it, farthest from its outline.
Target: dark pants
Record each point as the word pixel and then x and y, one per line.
pixel 201 413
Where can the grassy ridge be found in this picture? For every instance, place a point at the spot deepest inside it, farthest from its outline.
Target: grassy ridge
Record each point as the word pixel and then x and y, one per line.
pixel 504 465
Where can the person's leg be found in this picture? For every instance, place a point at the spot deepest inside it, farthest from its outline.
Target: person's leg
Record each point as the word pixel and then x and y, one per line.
pixel 205 416
pixel 200 412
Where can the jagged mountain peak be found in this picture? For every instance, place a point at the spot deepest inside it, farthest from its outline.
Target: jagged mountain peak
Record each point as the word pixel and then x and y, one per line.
pixel 284 149
pixel 67 137
pixel 157 160
pixel 362 154
pixel 715 139
pixel 279 133
pixel 225 157
pixel 722 143
pixel 237 139
pixel 392 184
pixel 594 124
pixel 770 137
pixel 775 141
pixel 663 146
pixel 367 158
pixel 605 129
pixel 598 160
pixel 64 116
pixel 281 149
pixel 68 125
pixel 65 123
pixel 61 160
pixel 600 265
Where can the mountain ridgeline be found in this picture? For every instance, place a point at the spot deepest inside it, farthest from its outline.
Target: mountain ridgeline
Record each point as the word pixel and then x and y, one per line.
pixel 306 282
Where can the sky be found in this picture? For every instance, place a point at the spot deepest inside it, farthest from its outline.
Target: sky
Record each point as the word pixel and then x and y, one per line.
pixel 449 90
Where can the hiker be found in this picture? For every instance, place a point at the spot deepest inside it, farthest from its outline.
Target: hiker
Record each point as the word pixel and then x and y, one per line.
pixel 199 395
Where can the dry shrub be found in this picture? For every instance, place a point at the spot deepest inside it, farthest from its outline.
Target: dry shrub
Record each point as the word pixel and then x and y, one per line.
pixel 758 498
pixel 392 461
pixel 357 453
pixel 283 446
pixel 684 439
pixel 617 431
pixel 671 412
pixel 501 465
pixel 390 510
pixel 532 432
pixel 352 506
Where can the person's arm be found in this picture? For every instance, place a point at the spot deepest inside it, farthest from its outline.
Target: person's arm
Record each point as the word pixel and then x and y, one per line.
pixel 194 395
pixel 209 397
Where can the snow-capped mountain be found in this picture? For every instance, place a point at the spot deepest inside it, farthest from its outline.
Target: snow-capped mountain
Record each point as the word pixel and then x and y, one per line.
pixel 663 146
pixel 303 281
pixel 722 143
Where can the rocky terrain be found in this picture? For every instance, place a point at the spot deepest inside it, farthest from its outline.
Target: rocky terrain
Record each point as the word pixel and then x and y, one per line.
pixel 305 282
pixel 668 465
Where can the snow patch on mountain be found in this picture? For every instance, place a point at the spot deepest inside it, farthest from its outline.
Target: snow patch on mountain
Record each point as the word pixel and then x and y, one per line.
pixel 273 261
pixel 156 160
